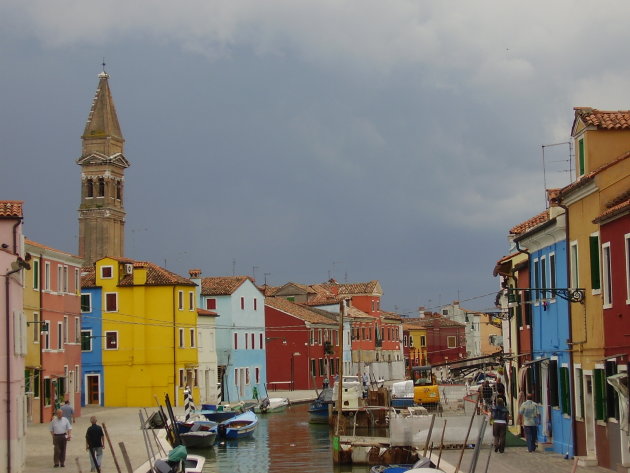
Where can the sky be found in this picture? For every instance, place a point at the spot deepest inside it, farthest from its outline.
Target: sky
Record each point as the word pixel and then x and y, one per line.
pixel 304 140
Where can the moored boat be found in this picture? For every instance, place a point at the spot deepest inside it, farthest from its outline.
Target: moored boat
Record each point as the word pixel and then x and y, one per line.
pixel 198 439
pixel 318 409
pixel 271 404
pixel 240 426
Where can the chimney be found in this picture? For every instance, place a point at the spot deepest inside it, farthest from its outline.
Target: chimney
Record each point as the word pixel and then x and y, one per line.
pixel 194 273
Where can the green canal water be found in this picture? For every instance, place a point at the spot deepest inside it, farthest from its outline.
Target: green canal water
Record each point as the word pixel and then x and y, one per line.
pixel 283 442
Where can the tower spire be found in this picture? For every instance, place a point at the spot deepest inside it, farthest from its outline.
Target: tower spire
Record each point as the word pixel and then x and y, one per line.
pixel 102 213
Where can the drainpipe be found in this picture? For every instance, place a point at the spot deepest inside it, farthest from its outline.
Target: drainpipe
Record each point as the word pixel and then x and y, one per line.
pixel 570 342
pixel 41 356
pixel 174 351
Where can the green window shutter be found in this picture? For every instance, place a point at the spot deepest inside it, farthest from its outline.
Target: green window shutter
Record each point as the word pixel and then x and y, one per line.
pixel 582 167
pixel 565 396
pixel 594 246
pixel 552 370
pixel 599 390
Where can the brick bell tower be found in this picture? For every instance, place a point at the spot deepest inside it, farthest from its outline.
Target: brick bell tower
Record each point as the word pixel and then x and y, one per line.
pixel 102 211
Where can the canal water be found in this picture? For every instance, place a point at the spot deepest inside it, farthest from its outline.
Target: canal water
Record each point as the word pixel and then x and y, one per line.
pixel 283 442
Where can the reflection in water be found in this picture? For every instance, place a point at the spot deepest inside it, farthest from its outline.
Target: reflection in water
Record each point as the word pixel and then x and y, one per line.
pixel 283 442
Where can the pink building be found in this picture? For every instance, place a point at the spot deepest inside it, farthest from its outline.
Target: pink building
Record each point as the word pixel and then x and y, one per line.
pixel 13 336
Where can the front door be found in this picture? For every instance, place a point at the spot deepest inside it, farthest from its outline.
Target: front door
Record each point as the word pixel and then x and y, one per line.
pixel 92 382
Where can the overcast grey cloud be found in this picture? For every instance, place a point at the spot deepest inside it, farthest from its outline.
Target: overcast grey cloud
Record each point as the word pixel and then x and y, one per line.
pixel 357 139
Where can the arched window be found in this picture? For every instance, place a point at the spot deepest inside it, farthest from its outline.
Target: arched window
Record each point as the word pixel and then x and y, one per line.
pixel 89 188
pixel 101 187
pixel 118 190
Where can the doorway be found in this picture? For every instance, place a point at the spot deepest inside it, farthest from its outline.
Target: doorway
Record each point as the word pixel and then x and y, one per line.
pixel 93 384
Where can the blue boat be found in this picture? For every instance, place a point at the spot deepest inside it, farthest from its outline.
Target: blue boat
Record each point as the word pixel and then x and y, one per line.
pixel 422 463
pixel 238 427
pixel 196 425
pixel 318 409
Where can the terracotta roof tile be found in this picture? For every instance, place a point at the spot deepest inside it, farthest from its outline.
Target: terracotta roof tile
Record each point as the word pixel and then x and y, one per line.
pixel 88 276
pixel 527 225
pixel 297 310
pixel 613 211
pixel 221 285
pixel 156 276
pixel 432 320
pixel 207 312
pixel 604 119
pixel 44 247
pixel 11 208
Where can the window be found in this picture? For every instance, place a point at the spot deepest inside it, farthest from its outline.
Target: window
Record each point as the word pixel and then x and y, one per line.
pixel 107 272
pixel 77 281
pixel 47 391
pixel 36 381
pixel 36 274
pixel 111 302
pixel 543 276
pixel 451 342
pixel 247 380
pixel 253 342
pixel 313 368
pixel 552 273
pixel 65 279
pixel 581 157
pixel 536 280
pixel 423 341
pixel 612 405
pixel 211 304
pixel 59 278
pixel 181 338
pixel 607 275
pixel 255 304
pixel 261 340
pixel 86 302
pixel 47 276
pixel 322 370
pixel 46 332
pixel 575 280
pixel 101 187
pixel 236 341
pixel 579 393
pixel 182 378
pixel 86 340
pixel 66 329
pixel 593 242
pixel 257 375
pixel 36 327
pixel 192 338
pixel 77 383
pixel 180 300
pixel 242 303
pixel 599 393
pixel 246 341
pixel 111 340
pixel 191 300
pixel 59 335
pixel 77 330
pixel 89 191
pixel 118 190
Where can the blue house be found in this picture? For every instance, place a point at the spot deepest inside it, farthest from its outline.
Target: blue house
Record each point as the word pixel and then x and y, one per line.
pixel 550 370
pixel 240 335
pixel 91 341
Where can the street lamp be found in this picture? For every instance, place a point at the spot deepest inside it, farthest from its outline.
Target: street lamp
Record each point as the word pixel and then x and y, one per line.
pixel 297 353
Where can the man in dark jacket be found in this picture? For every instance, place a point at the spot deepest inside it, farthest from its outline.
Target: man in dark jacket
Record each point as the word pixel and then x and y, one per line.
pixel 94 444
pixel 487 393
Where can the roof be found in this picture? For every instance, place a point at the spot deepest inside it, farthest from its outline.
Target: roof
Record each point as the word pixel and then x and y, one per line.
pixel 433 320
pixel 527 225
pixel 44 247
pixel 11 208
pixel 603 119
pixel 207 313
pixel 221 285
pixel 587 178
pixel 103 121
pixel 88 276
pixel 156 276
pixel 370 287
pixel 614 211
pixel 391 315
pixel 297 310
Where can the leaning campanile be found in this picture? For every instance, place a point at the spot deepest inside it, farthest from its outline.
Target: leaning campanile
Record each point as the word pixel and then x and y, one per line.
pixel 103 164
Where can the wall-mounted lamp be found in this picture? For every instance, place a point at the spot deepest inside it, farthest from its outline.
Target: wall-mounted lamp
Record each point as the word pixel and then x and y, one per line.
pixel 284 340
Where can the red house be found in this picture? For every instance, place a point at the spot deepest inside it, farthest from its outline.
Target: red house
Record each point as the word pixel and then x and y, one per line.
pixel 302 345
pixel 446 339
pixel 615 250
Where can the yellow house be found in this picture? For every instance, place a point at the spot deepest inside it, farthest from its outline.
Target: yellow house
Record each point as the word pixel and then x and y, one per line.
pixel 417 344
pixel 602 170
pixel 149 330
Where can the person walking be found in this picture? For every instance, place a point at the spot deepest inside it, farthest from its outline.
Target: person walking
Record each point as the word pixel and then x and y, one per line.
pixel 487 393
pixel 61 431
pixel 500 388
pixel 500 416
pixel 68 411
pixel 94 444
pixel 529 418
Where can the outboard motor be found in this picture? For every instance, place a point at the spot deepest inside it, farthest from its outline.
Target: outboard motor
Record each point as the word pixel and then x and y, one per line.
pixel 222 430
